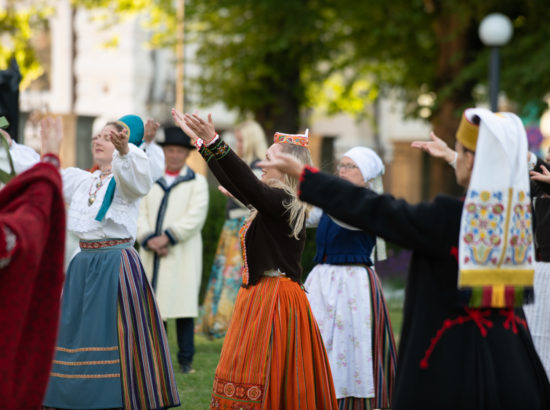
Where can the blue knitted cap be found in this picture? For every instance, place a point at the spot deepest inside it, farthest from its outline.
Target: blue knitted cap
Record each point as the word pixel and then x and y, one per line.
pixel 135 128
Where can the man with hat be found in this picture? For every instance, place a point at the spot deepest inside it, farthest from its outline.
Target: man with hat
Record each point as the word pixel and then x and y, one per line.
pixel 464 340
pixel 169 231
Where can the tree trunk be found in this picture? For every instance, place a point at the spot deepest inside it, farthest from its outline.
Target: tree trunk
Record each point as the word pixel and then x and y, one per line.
pixel 281 112
pixel 455 34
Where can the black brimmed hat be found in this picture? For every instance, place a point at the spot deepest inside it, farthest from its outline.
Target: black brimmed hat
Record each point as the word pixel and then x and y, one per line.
pixel 175 136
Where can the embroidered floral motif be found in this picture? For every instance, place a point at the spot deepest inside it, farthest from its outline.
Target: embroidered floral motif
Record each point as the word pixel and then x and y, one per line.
pixel 205 152
pixel 220 149
pixel 238 391
pixel 520 232
pixel 484 221
pixel 488 233
pixel 281 138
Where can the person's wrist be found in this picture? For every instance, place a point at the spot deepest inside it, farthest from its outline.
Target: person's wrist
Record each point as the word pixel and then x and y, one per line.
pixel 450 155
pixel 52 158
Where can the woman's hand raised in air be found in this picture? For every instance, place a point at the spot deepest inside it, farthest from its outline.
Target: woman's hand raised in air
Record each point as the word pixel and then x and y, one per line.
pixel 120 141
pixel 195 126
pixel 51 134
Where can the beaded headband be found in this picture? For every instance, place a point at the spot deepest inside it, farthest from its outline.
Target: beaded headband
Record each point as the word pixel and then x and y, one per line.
pixel 296 139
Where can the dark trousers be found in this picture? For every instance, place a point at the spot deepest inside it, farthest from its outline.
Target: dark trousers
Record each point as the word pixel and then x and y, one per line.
pixel 185 331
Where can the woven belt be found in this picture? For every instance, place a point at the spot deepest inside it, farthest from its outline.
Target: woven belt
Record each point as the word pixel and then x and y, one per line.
pixel 103 243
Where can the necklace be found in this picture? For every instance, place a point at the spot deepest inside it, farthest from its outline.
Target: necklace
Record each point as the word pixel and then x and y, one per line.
pixel 98 185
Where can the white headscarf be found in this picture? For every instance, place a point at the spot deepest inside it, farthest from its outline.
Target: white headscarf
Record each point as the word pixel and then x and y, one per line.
pixel 372 169
pixel 496 236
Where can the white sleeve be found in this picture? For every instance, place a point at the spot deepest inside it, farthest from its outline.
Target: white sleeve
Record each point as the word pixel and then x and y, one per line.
pixel 72 178
pixel 156 159
pixel 23 157
pixel 132 173
pixel 314 217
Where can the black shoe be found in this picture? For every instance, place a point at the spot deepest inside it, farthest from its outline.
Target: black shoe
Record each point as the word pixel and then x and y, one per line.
pixel 187 369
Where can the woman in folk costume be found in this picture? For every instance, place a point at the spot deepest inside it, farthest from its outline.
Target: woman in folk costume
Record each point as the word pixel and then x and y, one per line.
pixel 538 312
pixel 346 298
pixel 225 277
pixel 32 225
pixel 464 343
pixel 111 348
pixel 273 355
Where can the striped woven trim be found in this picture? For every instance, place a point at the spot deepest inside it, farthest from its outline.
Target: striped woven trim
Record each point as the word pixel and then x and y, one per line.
pixel 498 296
pixel 384 356
pixel 86 376
pixel 104 243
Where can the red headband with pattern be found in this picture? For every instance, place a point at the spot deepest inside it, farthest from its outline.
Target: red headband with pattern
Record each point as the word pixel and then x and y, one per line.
pixel 296 139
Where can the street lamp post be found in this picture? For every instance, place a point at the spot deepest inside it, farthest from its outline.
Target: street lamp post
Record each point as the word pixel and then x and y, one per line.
pixel 495 31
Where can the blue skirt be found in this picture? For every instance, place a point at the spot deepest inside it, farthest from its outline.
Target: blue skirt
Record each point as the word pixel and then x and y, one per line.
pixel 112 350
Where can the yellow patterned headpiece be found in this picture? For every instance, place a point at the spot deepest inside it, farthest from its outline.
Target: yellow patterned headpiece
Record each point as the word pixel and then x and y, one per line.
pixel 467 133
pixel 296 139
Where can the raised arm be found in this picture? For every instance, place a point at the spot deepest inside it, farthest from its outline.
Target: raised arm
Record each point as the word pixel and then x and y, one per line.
pixel 430 228
pixel 261 196
pixel 221 176
pixel 131 173
pixel 242 179
pixel 155 154
pixel 437 148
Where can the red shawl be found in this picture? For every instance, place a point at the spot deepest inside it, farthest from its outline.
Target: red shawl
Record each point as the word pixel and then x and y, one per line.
pixel 31 206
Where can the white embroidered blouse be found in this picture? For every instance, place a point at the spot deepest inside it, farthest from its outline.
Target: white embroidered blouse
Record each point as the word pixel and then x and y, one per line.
pixel 133 181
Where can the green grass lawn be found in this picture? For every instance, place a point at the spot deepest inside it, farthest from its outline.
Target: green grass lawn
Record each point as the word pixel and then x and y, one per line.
pixel 195 389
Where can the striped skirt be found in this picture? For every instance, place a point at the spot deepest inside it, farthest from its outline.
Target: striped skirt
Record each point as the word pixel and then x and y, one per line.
pixel 273 355
pixel 351 311
pixel 111 350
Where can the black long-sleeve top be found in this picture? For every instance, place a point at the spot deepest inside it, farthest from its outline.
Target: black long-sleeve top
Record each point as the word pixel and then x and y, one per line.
pixel 269 244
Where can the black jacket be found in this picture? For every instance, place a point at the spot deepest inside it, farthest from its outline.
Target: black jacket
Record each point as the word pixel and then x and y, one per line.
pixel 448 357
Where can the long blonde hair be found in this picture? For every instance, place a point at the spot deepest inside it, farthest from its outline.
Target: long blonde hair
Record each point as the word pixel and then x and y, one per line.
pixel 297 210
pixel 254 144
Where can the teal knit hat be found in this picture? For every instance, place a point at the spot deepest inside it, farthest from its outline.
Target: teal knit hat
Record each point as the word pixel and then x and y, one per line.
pixel 135 129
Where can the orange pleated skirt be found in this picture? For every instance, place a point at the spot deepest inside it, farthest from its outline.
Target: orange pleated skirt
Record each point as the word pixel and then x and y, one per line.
pixel 273 356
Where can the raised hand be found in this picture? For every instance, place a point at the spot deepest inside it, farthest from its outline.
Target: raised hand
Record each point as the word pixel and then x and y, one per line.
pixel 51 134
pixel 437 148
pixel 151 127
pixel 543 176
pixel 180 122
pixel 285 163
pixel 202 129
pixel 120 141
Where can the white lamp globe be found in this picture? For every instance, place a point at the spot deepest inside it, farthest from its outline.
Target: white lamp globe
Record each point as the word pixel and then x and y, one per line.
pixel 495 30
